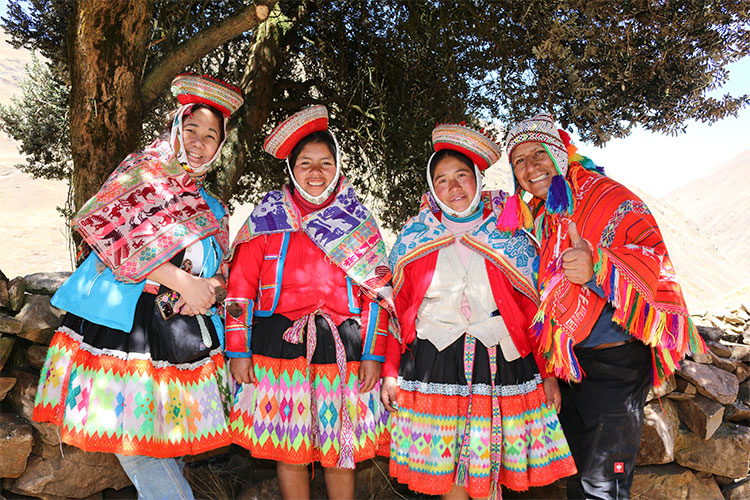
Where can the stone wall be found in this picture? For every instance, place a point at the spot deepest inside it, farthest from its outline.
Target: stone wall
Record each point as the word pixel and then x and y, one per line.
pixel 696 436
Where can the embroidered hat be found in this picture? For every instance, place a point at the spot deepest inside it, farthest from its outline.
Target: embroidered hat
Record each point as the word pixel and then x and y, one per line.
pixel 539 128
pixel 190 88
pixel 482 150
pixel 288 133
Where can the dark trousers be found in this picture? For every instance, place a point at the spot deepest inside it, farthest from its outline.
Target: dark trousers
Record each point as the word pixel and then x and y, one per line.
pixel 602 418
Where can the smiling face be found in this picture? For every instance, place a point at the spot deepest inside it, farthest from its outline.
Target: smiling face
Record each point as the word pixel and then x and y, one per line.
pixel 454 183
pixel 533 168
pixel 314 168
pixel 201 132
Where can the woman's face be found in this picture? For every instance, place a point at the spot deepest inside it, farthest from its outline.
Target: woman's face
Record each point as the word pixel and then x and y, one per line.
pixel 200 136
pixel 454 183
pixel 533 168
pixel 314 168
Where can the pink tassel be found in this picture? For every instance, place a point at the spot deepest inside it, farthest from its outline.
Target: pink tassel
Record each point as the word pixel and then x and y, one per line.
pixel 508 220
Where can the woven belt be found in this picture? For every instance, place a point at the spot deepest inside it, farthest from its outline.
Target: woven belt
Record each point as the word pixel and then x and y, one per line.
pixel 293 335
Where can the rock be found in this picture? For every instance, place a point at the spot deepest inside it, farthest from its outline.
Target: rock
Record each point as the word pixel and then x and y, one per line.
pixel 736 411
pixel 746 335
pixel 9 324
pixel 6 384
pixel 665 388
pixel 727 452
pixel 679 396
pixel 2 276
pixel 726 364
pixel 16 442
pixel 743 393
pixel 723 481
pixel 21 398
pixel 672 482
pixel 731 338
pixel 737 491
pixel 264 490
pixel 710 381
pixel 6 346
pixel 702 415
pixel 702 358
pixel 45 283
pixel 78 474
pixel 40 319
pixel 658 434
pixel 742 372
pixel 739 351
pixel 719 349
pixel 16 291
pixel 4 298
pixel 711 333
pixel 36 354
pixel 683 385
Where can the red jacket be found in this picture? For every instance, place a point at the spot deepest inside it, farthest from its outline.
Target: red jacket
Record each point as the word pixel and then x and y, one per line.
pixel 516 309
pixel 287 273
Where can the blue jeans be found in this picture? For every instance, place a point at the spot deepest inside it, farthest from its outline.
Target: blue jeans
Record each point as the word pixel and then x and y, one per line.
pixel 156 478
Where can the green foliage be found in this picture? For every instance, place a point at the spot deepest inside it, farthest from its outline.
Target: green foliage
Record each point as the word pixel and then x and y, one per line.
pixel 38 119
pixel 390 70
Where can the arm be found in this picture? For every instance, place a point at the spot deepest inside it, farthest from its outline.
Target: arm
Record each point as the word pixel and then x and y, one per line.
pixel 374 321
pixel 197 294
pixel 242 290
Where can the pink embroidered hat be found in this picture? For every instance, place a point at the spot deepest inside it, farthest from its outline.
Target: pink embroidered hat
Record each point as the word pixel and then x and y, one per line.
pixel 288 133
pixel 480 149
pixel 190 88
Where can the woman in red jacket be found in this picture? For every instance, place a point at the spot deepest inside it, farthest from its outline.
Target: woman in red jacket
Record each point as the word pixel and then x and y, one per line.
pixel 309 280
pixel 471 410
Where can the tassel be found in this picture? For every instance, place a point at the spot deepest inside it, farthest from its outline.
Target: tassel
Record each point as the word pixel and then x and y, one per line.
pixel 509 220
pixel 559 196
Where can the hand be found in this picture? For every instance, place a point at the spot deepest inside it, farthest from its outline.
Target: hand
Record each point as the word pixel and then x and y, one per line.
pixel 369 374
pixel 577 261
pixel 388 393
pixel 552 393
pixel 242 370
pixel 197 295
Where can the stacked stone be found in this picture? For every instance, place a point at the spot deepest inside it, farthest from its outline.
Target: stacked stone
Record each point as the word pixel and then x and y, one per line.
pixel 696 435
pixel 33 462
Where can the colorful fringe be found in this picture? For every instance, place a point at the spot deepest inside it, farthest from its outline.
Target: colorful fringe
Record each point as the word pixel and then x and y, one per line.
pixel 134 406
pixel 427 434
pixel 276 419
pixel 670 334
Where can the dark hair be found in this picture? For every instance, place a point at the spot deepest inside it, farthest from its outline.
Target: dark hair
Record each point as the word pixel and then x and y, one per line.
pixel 170 119
pixel 320 137
pixel 450 153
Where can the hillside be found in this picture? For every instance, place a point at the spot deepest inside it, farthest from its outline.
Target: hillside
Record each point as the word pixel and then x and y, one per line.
pixel 720 206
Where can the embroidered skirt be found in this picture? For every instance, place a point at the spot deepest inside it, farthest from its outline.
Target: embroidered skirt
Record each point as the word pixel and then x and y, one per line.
pixel 306 405
pixel 114 391
pixel 450 429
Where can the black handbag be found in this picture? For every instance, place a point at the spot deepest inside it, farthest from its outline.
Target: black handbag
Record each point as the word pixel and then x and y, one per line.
pixel 182 339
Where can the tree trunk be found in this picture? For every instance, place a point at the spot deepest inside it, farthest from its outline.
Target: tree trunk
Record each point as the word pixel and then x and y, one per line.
pixel 108 42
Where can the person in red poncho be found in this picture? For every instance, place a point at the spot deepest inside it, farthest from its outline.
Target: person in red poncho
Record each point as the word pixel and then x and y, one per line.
pixel 612 318
pixel 307 315
pixel 471 411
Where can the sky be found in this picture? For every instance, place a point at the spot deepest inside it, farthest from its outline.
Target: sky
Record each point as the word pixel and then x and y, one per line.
pixel 658 163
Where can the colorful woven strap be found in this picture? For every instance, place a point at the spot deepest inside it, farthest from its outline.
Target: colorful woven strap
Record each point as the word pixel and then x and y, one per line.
pixel 462 471
pixel 496 435
pixel 293 335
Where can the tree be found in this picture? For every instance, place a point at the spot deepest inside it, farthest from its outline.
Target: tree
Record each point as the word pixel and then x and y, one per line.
pixel 388 70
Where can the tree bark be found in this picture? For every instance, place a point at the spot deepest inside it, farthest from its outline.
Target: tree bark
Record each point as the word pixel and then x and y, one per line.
pixel 264 62
pixel 108 43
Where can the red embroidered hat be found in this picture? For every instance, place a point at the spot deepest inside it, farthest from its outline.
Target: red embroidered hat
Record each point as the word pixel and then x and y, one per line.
pixel 482 150
pixel 288 133
pixel 190 88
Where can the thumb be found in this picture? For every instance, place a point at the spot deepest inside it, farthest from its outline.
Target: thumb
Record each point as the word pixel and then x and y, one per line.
pixel 575 239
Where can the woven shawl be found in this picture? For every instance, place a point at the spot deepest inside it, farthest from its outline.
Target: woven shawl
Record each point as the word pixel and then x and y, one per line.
pixel 514 254
pixel 345 231
pixel 631 264
pixel 148 210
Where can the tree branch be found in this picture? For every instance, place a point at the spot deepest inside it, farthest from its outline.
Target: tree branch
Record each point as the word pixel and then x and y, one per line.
pixel 192 50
